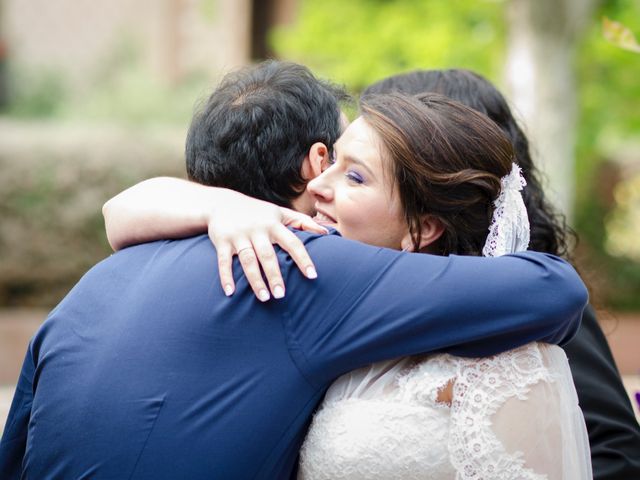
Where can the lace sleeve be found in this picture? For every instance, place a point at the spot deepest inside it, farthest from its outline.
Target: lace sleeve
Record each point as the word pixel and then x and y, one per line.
pixel 516 416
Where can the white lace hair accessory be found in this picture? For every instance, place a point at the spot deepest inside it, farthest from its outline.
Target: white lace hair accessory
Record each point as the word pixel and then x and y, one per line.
pixel 509 230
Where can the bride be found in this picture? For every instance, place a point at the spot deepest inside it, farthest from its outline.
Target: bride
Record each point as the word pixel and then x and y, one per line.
pixel 513 415
pixel 427 174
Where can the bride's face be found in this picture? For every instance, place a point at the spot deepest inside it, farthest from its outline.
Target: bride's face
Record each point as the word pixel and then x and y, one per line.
pixel 356 194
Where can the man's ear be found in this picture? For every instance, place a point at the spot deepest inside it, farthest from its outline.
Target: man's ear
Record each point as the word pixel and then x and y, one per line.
pixel 315 161
pixel 432 230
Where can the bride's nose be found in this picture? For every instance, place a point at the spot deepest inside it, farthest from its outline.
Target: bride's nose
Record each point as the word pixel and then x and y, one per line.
pixel 321 186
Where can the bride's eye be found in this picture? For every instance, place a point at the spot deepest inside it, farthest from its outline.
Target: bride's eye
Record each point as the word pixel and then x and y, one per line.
pixel 354 177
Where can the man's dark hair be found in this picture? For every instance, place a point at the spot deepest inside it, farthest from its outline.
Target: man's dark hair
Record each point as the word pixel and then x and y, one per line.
pixel 254 131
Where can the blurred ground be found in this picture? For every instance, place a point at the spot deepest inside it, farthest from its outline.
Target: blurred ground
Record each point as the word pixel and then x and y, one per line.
pixel 18 325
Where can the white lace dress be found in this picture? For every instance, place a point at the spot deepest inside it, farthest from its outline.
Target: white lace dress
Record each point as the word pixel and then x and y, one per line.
pixel 511 416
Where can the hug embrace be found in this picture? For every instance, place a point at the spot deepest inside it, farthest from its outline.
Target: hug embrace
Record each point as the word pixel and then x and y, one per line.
pixel 410 330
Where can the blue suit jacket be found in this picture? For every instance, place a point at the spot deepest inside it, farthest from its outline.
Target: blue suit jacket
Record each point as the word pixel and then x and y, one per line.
pixel 147 371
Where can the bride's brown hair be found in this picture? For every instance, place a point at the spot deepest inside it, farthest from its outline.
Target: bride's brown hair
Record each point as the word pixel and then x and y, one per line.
pixel 446 160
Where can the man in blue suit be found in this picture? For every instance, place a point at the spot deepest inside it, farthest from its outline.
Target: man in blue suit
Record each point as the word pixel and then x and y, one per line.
pixel 146 370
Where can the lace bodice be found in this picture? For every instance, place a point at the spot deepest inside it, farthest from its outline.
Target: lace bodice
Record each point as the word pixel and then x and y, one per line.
pixel 511 416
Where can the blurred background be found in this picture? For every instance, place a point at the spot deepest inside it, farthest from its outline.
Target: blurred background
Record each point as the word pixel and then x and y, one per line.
pixel 95 96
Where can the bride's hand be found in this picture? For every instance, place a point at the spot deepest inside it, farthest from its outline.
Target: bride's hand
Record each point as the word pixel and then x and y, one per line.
pixel 164 207
pixel 249 228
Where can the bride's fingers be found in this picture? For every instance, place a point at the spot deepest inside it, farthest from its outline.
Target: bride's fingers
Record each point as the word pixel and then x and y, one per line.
pixel 251 267
pixel 301 221
pixel 291 244
pixel 269 263
pixel 225 266
pixel 309 225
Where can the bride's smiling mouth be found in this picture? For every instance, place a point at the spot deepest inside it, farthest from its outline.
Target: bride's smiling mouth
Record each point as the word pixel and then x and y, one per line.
pixel 322 218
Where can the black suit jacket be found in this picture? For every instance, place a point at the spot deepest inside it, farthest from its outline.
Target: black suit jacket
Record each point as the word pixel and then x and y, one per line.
pixel 614 434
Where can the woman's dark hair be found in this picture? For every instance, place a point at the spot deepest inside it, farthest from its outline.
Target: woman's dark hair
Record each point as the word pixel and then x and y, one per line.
pixel 549 230
pixel 447 161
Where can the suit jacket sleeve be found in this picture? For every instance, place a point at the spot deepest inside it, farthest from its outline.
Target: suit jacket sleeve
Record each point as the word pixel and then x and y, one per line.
pixel 14 438
pixel 370 304
pixel 614 434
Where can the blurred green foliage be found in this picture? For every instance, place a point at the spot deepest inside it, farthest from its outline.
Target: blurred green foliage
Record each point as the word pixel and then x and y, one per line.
pixel 122 91
pixel 609 90
pixel 133 95
pixel 126 91
pixel 360 41
pixel 608 140
pixel 37 93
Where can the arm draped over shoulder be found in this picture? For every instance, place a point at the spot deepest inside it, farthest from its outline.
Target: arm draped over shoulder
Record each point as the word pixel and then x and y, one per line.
pixel 372 304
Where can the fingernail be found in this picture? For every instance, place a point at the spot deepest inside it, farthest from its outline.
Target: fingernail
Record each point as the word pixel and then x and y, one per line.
pixel 228 290
pixel 311 273
pixel 263 295
pixel 278 292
